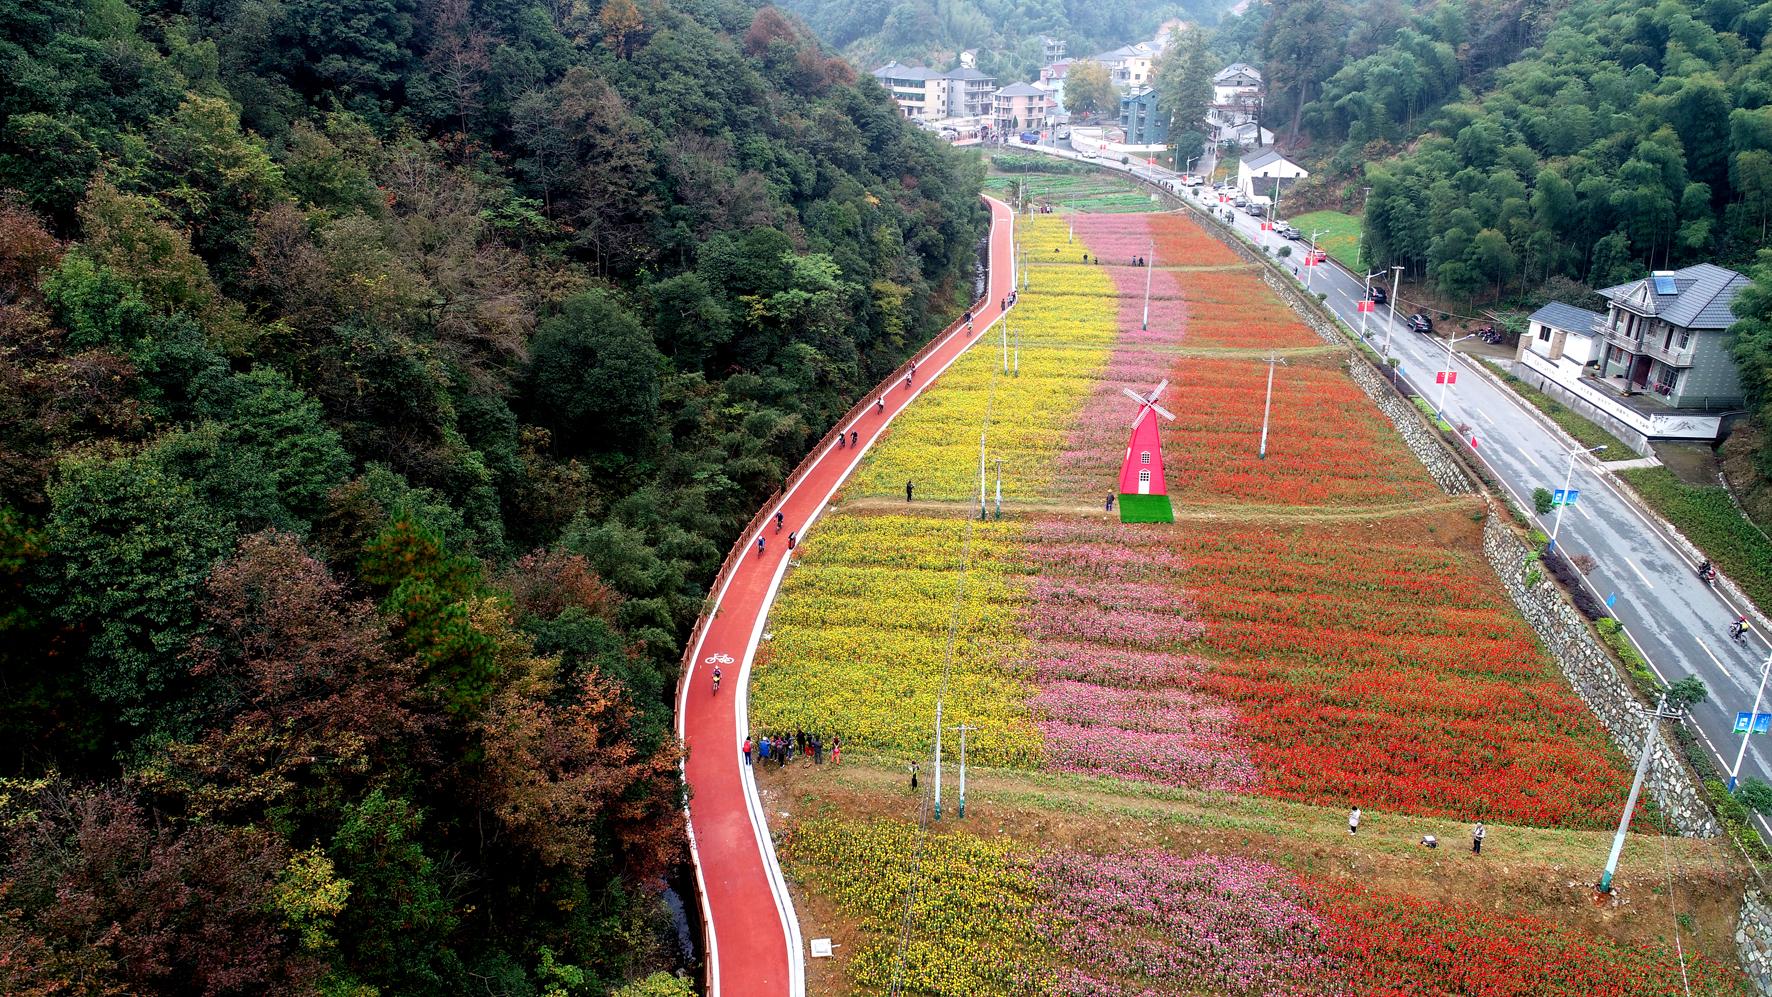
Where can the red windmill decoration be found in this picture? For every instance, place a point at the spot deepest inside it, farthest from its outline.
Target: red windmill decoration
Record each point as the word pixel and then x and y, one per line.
pixel 1144 497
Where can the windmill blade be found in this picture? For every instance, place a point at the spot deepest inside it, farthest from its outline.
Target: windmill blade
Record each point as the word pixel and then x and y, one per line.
pixel 1157 392
pixel 1162 411
pixel 1135 396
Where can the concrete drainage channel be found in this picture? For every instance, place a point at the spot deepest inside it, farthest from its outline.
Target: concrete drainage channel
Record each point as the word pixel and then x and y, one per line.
pixel 1564 631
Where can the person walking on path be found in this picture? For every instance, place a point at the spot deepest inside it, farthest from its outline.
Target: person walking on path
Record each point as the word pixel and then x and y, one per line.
pixel 908 486
pixel 836 750
pixel 842 440
pixel 1478 833
pixel 913 776
pixel 854 438
pixel 1353 821
pixel 759 546
pixel 880 406
pixel 747 751
pixel 778 522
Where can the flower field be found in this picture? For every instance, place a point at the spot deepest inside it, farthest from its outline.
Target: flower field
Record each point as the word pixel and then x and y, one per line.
pixel 1320 627
pixel 1000 917
pixel 861 637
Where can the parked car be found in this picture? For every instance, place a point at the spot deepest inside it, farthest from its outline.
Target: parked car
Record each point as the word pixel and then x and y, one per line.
pixel 1379 294
pixel 1030 138
pixel 1255 210
pixel 1193 180
pixel 1419 322
pixel 1286 231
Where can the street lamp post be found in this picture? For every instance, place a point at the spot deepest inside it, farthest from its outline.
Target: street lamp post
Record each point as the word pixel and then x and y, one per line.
pixel 938 760
pixel 1396 283
pixel 1446 382
pixel 1568 473
pixel 1752 715
pixel 963 728
pixel 1365 306
pixel 1360 244
pixel 999 516
pixel 1310 262
pixel 1636 788
pixel 1272 361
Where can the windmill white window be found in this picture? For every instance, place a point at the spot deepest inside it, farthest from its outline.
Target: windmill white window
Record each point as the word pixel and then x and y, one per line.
pixel 1144 457
pixel 1144 477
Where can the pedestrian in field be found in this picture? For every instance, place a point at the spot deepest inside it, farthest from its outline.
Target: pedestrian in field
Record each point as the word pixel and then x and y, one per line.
pixel 781 752
pixel 763 747
pixel 908 486
pixel 747 751
pixel 817 750
pixel 913 776
pixel 854 438
pixel 836 750
pixel 1085 257
pixel 1478 833
pixel 1109 504
pixel 1353 821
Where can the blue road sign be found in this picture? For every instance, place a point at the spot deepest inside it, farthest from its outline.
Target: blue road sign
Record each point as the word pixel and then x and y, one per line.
pixel 1561 497
pixel 1762 722
pixel 1611 597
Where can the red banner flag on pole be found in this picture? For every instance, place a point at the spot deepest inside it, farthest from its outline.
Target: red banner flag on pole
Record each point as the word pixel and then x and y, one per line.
pixel 1366 305
pixel 1445 377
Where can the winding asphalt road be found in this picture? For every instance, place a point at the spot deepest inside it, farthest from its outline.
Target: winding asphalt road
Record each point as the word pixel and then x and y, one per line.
pixel 1679 623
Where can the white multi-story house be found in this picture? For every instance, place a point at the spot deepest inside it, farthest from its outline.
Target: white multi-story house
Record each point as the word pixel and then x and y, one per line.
pixel 920 92
pixel 1129 66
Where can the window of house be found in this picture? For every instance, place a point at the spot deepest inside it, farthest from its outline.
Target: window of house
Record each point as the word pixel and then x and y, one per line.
pixel 1544 333
pixel 1685 338
pixel 1144 476
pixel 1666 378
pixel 1144 456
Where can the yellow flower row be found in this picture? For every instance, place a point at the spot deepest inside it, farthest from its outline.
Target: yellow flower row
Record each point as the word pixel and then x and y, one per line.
pixel 1025 418
pixel 1039 235
pixel 862 638
pixel 972 926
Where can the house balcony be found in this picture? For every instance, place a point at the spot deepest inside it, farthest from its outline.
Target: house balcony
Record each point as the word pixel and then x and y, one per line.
pixel 1651 345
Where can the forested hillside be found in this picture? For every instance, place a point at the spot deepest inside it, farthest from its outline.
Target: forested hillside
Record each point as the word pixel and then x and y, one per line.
pixel 381 381
pixel 1509 144
pixel 1006 33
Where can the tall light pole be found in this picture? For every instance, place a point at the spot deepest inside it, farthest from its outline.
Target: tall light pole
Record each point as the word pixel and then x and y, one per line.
pixel 1446 382
pixel 981 506
pixel 1636 788
pixel 1366 304
pixel 1751 717
pixel 1568 473
pixel 1311 260
pixel 999 516
pixel 1396 283
pixel 938 760
pixel 963 728
pixel 1272 361
pixel 1145 323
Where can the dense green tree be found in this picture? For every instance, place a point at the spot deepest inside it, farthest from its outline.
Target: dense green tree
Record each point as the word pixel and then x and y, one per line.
pixel 593 375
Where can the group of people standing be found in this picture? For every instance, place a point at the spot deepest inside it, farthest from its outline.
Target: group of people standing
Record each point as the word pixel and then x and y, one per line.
pixel 781 748
pixel 1478 832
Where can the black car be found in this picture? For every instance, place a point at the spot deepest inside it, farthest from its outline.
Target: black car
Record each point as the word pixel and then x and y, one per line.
pixel 1379 294
pixel 1419 322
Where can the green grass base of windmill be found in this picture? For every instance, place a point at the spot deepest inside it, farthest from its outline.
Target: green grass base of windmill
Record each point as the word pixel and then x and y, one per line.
pixel 1146 509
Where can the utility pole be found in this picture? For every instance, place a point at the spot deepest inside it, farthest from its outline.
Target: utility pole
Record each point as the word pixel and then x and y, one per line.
pixel 1568 473
pixel 981 474
pixel 1636 788
pixel 963 728
pixel 1752 715
pixel 1360 245
pixel 1366 306
pixel 938 760
pixel 1272 361
pixel 1446 382
pixel 1071 216
pixel 1017 371
pixel 1146 322
pixel 1003 332
pixel 1276 217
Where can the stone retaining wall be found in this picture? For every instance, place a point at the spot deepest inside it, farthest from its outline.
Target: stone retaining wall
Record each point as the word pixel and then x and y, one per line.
pixel 1753 940
pixel 1595 678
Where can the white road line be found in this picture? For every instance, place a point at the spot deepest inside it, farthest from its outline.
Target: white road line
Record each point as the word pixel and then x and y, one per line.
pixel 1633 566
pixel 1479 414
pixel 1709 653
pixel 1534 461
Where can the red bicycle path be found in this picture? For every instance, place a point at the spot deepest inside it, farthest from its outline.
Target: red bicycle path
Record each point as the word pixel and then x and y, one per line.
pixel 752 935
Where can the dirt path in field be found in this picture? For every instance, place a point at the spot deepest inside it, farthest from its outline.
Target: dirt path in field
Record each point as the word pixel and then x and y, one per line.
pixel 1184 512
pixel 1546 873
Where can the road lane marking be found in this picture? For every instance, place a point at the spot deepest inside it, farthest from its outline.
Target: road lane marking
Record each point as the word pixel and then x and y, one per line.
pixel 1528 455
pixel 1645 578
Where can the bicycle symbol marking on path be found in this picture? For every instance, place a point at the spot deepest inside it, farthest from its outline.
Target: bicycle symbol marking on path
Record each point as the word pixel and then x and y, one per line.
pixel 721 658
